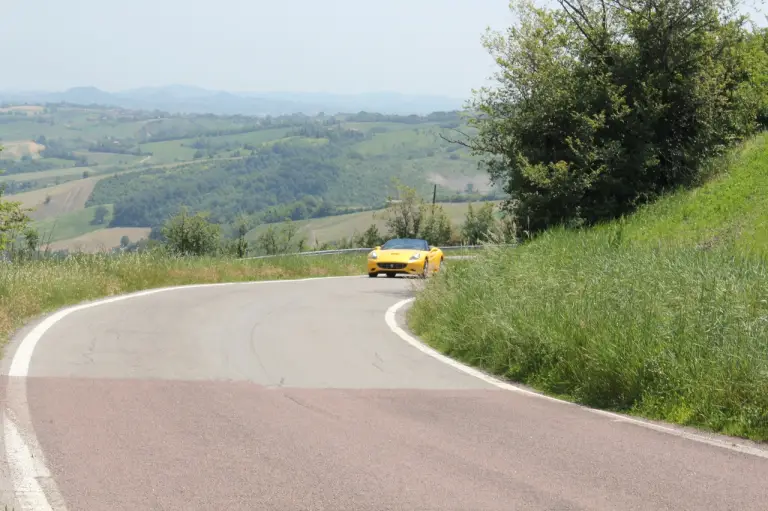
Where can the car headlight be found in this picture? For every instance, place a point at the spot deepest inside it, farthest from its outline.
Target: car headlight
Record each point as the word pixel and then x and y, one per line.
pixel 372 255
pixel 416 256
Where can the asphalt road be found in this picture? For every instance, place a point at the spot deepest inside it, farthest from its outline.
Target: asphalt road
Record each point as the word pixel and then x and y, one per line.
pixel 298 396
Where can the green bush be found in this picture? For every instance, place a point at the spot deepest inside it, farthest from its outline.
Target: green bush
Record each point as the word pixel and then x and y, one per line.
pixel 603 106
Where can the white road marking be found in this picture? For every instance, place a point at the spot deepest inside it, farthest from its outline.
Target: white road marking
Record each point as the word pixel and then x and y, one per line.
pixel 23 470
pixel 26 468
pixel 391 319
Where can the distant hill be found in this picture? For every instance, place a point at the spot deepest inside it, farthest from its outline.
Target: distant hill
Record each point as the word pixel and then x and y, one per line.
pixel 70 162
pixel 185 99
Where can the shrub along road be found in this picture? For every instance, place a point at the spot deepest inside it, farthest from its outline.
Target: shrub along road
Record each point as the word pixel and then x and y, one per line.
pixel 297 395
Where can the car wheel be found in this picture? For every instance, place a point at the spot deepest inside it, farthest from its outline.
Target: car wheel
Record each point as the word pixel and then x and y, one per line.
pixel 391 275
pixel 425 271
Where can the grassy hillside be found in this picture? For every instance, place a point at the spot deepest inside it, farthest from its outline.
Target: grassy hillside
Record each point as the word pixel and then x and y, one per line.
pixel 72 224
pixel 314 171
pixel 662 314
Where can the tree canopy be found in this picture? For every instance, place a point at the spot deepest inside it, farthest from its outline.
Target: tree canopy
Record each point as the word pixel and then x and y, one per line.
pixel 13 219
pixel 601 105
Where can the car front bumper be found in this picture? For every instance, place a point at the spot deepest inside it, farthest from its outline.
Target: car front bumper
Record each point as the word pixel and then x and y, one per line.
pixel 409 268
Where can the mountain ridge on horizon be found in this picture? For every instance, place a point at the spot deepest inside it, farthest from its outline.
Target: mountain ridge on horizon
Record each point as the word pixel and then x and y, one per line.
pixel 177 99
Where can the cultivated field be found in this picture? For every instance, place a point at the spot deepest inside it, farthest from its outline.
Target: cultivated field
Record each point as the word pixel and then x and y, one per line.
pixel 101 240
pixel 19 148
pixel 64 198
pixel 72 224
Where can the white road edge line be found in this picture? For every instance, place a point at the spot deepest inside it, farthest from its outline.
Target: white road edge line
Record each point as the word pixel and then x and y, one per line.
pixel 24 468
pixel 391 320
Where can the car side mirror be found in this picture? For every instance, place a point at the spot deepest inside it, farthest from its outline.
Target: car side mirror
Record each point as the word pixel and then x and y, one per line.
pixel 377 248
pixel 433 249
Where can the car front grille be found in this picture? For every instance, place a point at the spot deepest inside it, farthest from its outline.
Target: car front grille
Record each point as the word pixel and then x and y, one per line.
pixel 392 266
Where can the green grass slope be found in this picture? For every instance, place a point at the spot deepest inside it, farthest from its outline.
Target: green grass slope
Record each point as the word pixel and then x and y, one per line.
pixel 71 225
pixel 663 314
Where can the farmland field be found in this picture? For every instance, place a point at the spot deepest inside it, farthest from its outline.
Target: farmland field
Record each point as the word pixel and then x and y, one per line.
pixel 101 240
pixel 72 224
pixel 57 200
pixel 144 167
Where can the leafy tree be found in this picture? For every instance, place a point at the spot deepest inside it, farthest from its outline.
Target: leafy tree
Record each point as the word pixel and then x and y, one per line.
pixel 478 225
pixel 31 239
pixel 13 219
pixel 191 234
pixel 125 241
pixel 758 46
pixel 278 239
pixel 241 244
pixel 405 214
pixel 602 105
pixel 100 215
pixel 370 237
pixel 437 228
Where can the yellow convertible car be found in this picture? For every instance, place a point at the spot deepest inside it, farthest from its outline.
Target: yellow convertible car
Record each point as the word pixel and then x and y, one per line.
pixel 406 256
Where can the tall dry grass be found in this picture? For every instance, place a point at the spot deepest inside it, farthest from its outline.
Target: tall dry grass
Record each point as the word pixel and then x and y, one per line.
pixel 663 315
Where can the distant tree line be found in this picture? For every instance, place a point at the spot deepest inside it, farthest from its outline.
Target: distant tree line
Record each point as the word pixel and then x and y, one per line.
pixel 26 164
pixel 188 234
pixel 115 146
pixel 61 149
pixel 404 119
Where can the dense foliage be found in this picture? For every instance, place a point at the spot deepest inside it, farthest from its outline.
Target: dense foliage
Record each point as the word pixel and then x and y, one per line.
pixel 286 175
pixel 604 105
pixel 293 179
pixel 13 220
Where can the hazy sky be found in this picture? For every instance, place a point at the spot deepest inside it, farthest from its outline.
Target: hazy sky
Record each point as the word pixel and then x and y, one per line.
pixel 346 46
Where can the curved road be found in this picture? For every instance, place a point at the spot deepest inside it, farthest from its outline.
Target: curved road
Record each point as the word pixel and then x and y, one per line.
pixel 299 396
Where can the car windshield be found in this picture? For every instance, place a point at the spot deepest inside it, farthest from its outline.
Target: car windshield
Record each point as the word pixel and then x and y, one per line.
pixel 406 244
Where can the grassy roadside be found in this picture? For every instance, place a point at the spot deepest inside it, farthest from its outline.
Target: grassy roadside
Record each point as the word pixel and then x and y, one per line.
pixel 663 315
pixel 33 288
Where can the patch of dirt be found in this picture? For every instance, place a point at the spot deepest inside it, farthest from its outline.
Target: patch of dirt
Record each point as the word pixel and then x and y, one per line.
pixel 17 148
pixel 101 240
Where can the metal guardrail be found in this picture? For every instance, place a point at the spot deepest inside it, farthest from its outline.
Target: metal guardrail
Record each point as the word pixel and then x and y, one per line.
pixel 363 250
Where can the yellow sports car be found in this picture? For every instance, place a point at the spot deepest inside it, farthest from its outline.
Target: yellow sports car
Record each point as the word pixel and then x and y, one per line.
pixel 404 255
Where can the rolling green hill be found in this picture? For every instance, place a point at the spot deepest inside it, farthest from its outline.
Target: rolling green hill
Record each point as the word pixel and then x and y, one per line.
pixel 662 314
pixel 146 165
